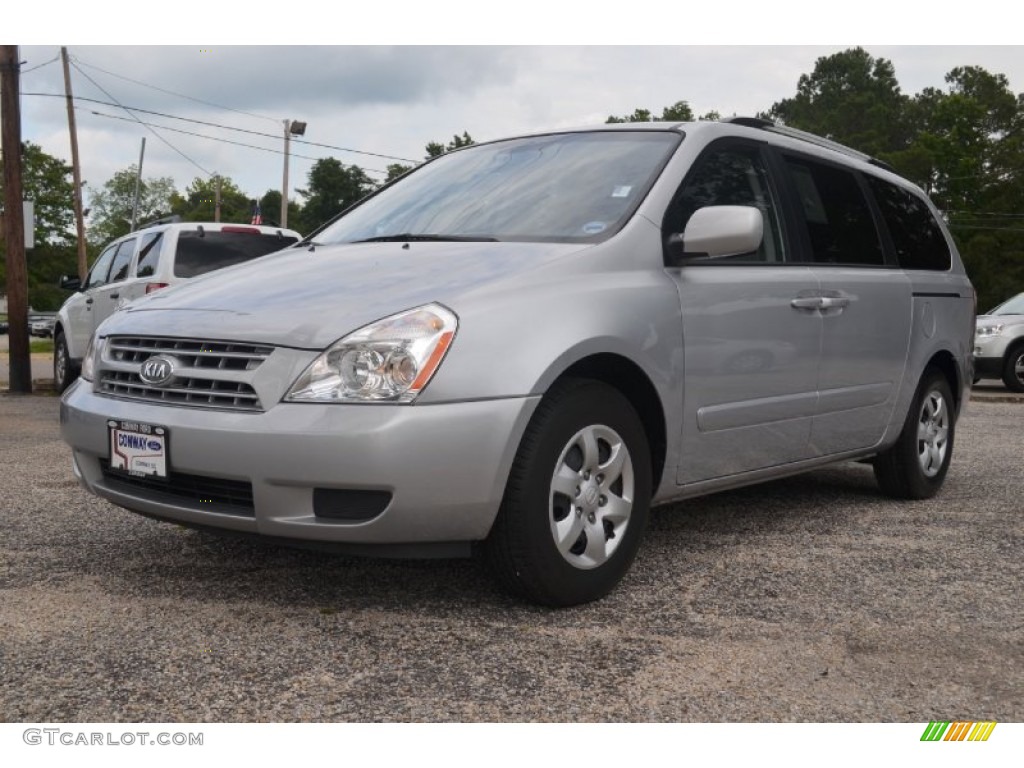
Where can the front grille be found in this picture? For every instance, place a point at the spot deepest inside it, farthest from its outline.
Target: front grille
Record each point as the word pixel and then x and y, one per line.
pixel 215 494
pixel 208 393
pixel 208 374
pixel 193 353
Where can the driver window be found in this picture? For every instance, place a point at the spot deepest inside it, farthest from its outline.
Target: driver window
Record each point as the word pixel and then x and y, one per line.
pixel 99 271
pixel 735 175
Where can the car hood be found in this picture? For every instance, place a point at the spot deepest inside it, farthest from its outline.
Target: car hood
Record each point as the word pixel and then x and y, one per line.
pixel 999 320
pixel 309 298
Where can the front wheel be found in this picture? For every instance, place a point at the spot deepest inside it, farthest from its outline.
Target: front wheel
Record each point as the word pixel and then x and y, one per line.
pixel 1013 370
pixel 64 371
pixel 916 465
pixel 576 502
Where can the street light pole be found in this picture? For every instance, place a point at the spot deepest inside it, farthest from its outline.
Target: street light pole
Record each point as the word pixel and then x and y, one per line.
pixel 291 128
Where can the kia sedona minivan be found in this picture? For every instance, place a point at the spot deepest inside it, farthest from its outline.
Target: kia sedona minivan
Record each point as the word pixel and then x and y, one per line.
pixel 520 346
pixel 153 257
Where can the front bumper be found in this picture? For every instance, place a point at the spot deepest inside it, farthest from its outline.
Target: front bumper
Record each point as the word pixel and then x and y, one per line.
pixel 444 465
pixel 989 354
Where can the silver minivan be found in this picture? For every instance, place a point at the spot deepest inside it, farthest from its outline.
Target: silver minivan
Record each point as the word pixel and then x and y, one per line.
pixel 520 346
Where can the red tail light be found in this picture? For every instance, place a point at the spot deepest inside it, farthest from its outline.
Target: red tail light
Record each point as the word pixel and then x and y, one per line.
pixel 150 287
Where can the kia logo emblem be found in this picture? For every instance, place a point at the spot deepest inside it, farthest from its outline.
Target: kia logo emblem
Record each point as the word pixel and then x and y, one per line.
pixel 157 371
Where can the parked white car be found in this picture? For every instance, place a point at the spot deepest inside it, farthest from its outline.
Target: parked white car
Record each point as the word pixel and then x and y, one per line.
pixel 999 344
pixel 142 262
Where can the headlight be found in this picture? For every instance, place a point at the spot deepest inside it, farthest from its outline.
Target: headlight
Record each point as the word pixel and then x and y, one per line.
pixel 92 356
pixel 989 330
pixel 390 360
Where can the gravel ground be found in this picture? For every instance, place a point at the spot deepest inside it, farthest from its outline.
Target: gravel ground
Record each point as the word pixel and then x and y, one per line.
pixel 809 599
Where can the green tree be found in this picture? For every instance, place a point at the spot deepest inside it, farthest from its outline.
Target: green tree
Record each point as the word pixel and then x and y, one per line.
pixel 397 169
pixel 270 209
pixel 111 205
pixel 679 112
pixel 853 98
pixel 47 182
pixel 436 148
pixel 970 148
pixel 198 203
pixel 331 188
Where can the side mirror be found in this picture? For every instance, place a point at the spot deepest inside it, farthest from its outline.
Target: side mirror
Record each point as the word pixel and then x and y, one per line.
pixel 69 283
pixel 717 231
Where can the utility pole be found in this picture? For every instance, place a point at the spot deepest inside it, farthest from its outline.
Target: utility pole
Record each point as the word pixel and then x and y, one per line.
pixel 138 185
pixel 216 198
pixel 14 231
pixel 76 169
pixel 284 182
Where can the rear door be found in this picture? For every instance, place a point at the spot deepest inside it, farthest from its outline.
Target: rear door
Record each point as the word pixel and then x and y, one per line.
pixel 865 305
pixel 750 350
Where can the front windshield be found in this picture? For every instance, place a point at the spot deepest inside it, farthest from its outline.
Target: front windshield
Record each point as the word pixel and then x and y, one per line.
pixel 1014 306
pixel 556 188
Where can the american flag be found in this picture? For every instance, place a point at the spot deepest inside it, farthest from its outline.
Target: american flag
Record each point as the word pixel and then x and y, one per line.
pixel 257 215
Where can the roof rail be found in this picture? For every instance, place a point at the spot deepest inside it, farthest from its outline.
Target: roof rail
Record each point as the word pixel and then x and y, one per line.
pixel 810 138
pixel 172 219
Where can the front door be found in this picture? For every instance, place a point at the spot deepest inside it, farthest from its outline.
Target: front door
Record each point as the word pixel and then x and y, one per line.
pixel 750 342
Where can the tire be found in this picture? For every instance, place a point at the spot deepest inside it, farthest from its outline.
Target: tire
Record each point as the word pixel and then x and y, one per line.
pixel 576 503
pixel 916 465
pixel 64 370
pixel 1013 369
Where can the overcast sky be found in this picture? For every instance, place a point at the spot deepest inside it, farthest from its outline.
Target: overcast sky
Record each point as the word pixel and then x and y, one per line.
pixel 392 100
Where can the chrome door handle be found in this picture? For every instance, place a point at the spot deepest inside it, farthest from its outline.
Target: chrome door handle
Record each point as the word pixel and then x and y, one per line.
pixel 809 302
pixel 834 302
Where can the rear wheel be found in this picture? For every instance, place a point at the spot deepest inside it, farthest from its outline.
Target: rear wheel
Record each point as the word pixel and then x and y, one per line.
pixel 64 371
pixel 576 502
pixel 915 467
pixel 1013 369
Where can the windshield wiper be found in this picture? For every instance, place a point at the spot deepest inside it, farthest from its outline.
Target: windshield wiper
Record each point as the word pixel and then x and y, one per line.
pixel 409 237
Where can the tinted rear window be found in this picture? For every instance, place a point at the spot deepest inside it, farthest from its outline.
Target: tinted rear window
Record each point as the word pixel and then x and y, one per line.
pixel 839 221
pixel 915 233
pixel 216 250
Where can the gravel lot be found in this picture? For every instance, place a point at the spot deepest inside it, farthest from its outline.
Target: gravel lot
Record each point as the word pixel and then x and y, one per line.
pixel 810 599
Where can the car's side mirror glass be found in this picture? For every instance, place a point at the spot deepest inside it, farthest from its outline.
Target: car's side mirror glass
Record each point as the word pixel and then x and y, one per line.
pixel 717 231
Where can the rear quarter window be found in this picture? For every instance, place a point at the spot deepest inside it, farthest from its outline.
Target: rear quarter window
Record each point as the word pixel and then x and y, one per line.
pixel 198 254
pixel 915 234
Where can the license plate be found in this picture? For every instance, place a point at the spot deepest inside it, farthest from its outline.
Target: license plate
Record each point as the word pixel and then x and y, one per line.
pixel 138 449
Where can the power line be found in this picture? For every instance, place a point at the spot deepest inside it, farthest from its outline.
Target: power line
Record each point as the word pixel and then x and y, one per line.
pixel 151 130
pixel 174 93
pixel 40 66
pixel 953 225
pixel 275 136
pixel 215 138
pixel 987 213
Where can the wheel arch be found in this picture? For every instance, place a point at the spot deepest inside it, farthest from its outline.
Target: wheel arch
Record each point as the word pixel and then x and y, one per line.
pixel 627 377
pixel 944 362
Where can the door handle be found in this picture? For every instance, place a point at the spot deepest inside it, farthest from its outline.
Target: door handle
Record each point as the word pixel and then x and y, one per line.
pixel 808 302
pixel 820 302
pixel 89 300
pixel 834 302
pixel 114 295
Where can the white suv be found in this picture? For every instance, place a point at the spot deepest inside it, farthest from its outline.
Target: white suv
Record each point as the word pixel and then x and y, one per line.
pixel 144 261
pixel 999 344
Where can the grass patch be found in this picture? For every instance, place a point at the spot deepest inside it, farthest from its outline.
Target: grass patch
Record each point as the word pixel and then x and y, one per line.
pixel 41 345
